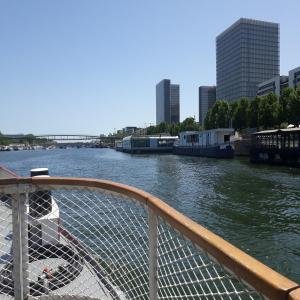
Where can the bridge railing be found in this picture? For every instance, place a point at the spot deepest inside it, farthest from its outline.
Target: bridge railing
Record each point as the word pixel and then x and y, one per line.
pixel 113 241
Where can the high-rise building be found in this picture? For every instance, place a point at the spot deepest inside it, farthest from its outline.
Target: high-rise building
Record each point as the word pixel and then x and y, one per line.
pixel 294 78
pixel 207 98
pixel 274 85
pixel 167 102
pixel 247 54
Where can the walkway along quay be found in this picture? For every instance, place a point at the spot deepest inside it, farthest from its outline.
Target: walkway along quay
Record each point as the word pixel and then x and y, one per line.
pixel 158 253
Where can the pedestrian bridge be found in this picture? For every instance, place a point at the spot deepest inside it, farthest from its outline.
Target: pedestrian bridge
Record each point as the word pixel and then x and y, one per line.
pixel 63 137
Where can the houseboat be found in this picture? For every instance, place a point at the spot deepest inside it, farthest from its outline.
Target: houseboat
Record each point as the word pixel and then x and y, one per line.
pixel 119 145
pixel 148 144
pixel 210 143
pixel 280 146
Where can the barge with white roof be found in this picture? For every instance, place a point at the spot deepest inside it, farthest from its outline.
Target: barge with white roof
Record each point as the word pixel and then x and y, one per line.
pixel 148 144
pixel 210 143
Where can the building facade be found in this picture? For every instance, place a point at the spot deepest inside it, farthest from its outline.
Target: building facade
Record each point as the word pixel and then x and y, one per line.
pixel 207 98
pixel 167 102
pixel 294 78
pixel 274 85
pixel 247 54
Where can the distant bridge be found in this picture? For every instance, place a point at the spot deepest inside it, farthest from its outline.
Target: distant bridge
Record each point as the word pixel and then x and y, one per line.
pixel 68 137
pixel 63 137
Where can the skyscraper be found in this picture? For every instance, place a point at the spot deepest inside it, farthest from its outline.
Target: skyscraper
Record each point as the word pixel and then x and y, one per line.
pixel 207 98
pixel 167 102
pixel 247 54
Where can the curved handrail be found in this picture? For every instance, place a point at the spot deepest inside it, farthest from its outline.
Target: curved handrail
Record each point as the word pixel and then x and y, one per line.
pixel 264 279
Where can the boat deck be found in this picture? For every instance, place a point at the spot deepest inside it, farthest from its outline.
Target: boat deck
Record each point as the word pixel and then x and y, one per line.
pixel 87 281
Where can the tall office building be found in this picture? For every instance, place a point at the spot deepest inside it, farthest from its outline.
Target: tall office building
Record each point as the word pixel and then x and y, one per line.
pixel 167 102
pixel 247 54
pixel 207 98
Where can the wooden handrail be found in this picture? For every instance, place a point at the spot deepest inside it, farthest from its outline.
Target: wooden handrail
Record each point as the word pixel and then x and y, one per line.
pixel 265 280
pixel 295 294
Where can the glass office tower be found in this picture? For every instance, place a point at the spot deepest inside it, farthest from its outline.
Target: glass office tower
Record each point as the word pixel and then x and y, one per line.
pixel 247 54
pixel 207 98
pixel 167 102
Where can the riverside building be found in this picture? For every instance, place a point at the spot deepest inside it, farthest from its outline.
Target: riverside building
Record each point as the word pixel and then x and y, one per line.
pixel 247 54
pixel 167 102
pixel 207 98
pixel 294 78
pixel 277 84
pixel 274 85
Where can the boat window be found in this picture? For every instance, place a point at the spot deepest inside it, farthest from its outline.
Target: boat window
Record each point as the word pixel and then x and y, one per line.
pixel 141 143
pixel 226 138
pixel 165 143
pixel 193 138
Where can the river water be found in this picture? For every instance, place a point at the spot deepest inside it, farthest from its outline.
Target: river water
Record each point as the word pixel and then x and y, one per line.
pixel 255 207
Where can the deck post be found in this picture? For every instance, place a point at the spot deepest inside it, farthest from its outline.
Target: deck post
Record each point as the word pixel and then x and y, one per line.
pixel 152 222
pixel 20 244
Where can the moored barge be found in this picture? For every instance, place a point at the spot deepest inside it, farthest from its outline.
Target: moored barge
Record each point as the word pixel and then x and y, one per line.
pixel 279 146
pixel 213 143
pixel 148 144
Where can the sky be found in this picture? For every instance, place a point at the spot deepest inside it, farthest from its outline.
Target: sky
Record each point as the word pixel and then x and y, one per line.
pixel 91 66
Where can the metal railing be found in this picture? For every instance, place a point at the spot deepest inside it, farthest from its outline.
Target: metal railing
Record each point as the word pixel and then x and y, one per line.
pixel 95 239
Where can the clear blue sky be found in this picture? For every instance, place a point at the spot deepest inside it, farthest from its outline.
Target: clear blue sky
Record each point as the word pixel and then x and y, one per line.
pixel 88 66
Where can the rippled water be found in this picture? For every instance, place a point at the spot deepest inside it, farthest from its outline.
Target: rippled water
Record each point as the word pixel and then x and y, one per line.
pixel 257 208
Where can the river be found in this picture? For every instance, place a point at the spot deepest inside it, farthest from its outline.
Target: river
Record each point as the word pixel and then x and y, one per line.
pixel 255 207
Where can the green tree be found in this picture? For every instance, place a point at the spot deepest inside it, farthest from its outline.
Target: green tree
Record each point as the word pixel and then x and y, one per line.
pixel 208 120
pixel 222 114
pixel 294 114
pixel 189 124
pixel 268 110
pixel 253 112
pixel 240 119
pixel 285 104
pixel 3 140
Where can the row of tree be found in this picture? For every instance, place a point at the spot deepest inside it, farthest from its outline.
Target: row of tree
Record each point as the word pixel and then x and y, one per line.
pixel 175 128
pixel 28 139
pixel 267 111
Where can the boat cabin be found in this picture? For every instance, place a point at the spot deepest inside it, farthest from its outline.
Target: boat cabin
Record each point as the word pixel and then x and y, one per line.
pixel 206 138
pixel 144 144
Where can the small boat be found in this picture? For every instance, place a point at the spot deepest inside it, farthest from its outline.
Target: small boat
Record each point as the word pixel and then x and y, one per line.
pixel 210 143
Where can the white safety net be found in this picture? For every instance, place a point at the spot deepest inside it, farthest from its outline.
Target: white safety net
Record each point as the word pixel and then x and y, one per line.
pixel 95 244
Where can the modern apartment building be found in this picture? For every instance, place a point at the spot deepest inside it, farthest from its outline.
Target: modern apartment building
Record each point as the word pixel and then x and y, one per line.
pixel 247 54
pixel 207 98
pixel 294 78
pixel 274 85
pixel 278 83
pixel 167 102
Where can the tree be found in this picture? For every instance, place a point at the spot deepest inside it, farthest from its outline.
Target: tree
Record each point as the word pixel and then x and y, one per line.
pixel 189 124
pixel 240 119
pixel 284 104
pixel 222 114
pixel 207 120
pixel 268 110
pixel 253 112
pixel 294 108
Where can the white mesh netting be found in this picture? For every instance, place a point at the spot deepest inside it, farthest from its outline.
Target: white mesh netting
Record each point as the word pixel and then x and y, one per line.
pixel 96 244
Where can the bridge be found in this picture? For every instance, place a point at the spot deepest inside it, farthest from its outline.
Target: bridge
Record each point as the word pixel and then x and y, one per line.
pixel 65 138
pixel 69 137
